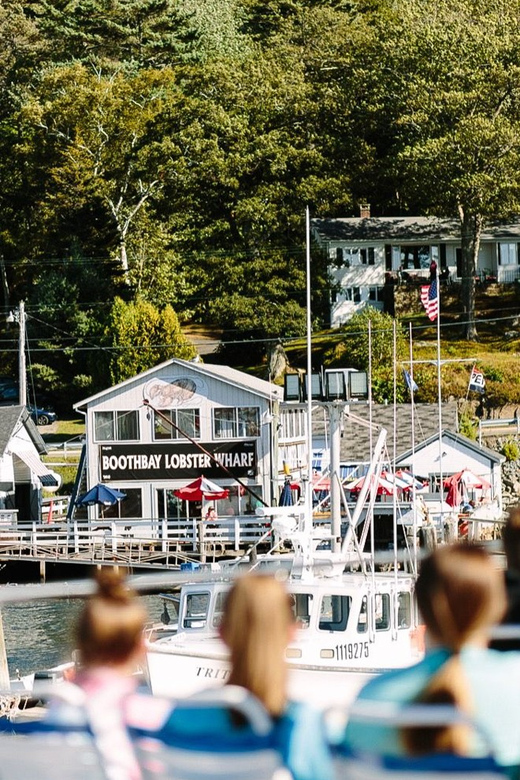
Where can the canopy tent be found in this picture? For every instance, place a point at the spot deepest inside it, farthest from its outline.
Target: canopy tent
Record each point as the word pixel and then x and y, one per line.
pixel 101 494
pixel 461 481
pixel 384 486
pixel 321 483
pixel 201 488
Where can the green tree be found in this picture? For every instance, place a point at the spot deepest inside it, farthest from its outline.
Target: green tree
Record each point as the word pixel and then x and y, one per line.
pixel 140 336
pixel 357 346
pixel 452 98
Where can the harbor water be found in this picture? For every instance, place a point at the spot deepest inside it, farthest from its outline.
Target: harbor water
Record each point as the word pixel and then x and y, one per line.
pixel 40 634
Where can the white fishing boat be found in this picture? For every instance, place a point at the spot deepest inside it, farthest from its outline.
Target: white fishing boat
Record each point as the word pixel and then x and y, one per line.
pixel 353 621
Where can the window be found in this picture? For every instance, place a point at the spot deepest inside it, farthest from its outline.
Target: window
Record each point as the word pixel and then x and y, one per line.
pixel 116 426
pixel 188 420
pixel 196 613
pixel 104 426
pixel 382 611
pixel 130 507
pixel 334 612
pixel 168 505
pixel 404 611
pixel 232 423
pixel 301 606
pixel 362 625
pixel 507 254
pixel 218 612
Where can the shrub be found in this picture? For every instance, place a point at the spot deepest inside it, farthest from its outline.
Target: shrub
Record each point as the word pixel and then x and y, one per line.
pixel 511 449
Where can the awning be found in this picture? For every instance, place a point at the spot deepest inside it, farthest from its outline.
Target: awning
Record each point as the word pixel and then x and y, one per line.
pixel 47 477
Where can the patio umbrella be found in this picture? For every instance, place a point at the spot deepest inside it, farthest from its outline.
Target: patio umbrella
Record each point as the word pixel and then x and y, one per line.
pixel 101 494
pixel 201 488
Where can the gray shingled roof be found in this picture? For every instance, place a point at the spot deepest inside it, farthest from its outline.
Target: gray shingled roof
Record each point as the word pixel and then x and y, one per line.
pixel 406 229
pixel 12 417
pixel 355 440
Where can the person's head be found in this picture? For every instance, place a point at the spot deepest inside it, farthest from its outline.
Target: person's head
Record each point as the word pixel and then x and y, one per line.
pixel 109 631
pixel 257 625
pixel 511 538
pixel 460 594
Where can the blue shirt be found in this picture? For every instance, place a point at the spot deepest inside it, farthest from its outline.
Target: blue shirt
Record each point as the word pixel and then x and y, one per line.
pixel 298 735
pixel 494 684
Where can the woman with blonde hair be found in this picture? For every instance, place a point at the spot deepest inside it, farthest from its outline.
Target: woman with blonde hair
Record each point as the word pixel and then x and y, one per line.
pixel 109 636
pixel 460 595
pixel 257 626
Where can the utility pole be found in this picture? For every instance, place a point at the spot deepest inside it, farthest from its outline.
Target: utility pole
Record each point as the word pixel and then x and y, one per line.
pixel 22 374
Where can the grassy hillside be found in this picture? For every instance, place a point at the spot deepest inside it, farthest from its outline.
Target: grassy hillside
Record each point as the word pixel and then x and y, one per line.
pixel 496 353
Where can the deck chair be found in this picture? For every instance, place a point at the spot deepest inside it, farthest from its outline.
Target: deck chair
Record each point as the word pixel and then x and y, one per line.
pixel 33 750
pixel 246 753
pixel 352 765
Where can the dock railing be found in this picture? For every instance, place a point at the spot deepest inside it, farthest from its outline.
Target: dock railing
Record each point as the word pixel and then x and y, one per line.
pixel 130 540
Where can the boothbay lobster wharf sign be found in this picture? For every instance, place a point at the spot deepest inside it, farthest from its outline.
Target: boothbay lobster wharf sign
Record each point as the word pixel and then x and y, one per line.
pixel 176 461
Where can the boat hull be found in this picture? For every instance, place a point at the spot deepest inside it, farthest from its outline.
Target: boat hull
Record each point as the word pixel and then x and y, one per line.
pixel 184 671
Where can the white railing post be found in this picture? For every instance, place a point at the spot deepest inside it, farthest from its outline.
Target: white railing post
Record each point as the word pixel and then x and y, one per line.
pixel 113 531
pixel 237 533
pixel 164 534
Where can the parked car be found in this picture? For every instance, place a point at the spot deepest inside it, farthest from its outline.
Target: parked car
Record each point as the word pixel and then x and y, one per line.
pixel 42 416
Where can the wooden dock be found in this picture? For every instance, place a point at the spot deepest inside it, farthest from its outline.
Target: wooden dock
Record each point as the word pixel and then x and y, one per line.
pixel 153 544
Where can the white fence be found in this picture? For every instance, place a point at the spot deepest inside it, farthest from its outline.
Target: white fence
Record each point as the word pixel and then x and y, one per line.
pixel 132 541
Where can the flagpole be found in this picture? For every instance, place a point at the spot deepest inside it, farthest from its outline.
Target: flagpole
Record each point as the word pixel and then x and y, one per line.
pixel 414 493
pixel 439 391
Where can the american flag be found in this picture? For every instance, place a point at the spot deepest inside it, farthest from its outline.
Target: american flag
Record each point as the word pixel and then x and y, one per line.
pixel 430 299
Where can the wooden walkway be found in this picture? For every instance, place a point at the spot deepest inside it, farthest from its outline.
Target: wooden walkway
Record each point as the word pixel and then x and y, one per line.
pixel 143 543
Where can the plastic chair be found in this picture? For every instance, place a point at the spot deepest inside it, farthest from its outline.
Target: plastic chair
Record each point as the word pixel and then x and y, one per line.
pixel 246 752
pixel 352 765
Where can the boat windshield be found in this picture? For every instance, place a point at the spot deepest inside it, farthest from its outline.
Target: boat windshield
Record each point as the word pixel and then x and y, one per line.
pixel 301 606
pixel 196 610
pixel 334 612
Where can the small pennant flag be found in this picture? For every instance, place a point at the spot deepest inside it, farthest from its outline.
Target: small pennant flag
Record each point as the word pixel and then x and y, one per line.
pixel 477 381
pixel 410 383
pixel 430 299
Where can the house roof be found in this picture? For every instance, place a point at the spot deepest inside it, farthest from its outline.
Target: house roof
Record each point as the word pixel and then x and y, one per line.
pixel 457 438
pixel 11 418
pixel 413 229
pixel 224 373
pixel 355 439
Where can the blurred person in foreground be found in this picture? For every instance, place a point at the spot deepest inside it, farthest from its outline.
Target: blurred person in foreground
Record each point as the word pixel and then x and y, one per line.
pixel 460 595
pixel 511 544
pixel 110 641
pixel 257 625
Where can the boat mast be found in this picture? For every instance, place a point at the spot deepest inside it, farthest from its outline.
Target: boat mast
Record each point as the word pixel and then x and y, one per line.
pixel 308 493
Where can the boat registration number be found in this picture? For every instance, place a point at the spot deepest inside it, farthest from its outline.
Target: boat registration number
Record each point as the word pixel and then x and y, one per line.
pixel 351 651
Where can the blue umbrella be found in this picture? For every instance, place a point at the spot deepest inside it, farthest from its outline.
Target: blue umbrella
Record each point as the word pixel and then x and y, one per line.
pixel 101 494
pixel 286 498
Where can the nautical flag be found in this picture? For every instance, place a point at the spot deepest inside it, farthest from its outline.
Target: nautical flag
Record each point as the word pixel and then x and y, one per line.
pixel 410 383
pixel 430 299
pixel 477 381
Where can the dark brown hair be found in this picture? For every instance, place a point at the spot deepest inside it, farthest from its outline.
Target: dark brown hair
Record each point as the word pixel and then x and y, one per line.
pixel 511 538
pixel 110 627
pixel 460 594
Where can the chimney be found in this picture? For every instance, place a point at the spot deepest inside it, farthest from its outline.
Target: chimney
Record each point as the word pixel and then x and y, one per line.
pixel 364 210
